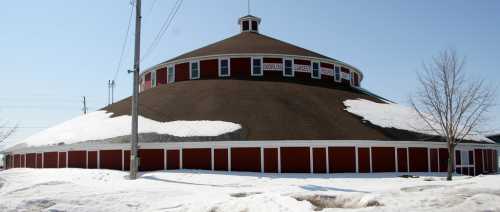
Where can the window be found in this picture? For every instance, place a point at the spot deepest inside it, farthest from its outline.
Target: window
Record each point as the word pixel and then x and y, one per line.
pixel 254 26
pixel 171 74
pixel 246 25
pixel 194 72
pixel 315 71
pixel 337 73
pixel 257 67
pixel 288 68
pixel 153 79
pixel 224 70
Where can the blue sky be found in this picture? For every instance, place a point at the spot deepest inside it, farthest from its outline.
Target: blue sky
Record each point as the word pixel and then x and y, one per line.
pixel 54 52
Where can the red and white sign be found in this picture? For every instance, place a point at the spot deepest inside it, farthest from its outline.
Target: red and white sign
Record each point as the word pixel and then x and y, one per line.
pixel 302 68
pixel 272 66
pixel 344 75
pixel 327 71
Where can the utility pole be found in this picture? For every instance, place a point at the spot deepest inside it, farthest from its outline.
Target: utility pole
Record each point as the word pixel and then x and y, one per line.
pixel 134 138
pixel 84 106
pixel 112 91
pixel 109 92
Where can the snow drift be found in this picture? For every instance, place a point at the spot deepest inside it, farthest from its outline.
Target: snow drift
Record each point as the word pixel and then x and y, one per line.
pixel 99 125
pixel 390 115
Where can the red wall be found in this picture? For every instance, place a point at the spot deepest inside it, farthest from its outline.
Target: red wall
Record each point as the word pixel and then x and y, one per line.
pixel 402 160
pixel 271 160
pixel 151 159
pixel 443 160
pixel 220 159
pixel 364 160
pixel 418 159
pixel 181 72
pixel 295 160
pixel 383 159
pixel 197 159
pixel 31 160
pixel 342 159
pixel 110 159
pixel 209 69
pixel 147 81
pixel 434 160
pixel 319 160
pixel 245 159
pixel 62 159
pixel 17 161
pixel 39 160
pixel 77 159
pixel 161 76
pixel 50 159
pixel 173 159
pixel 240 68
pixel 126 160
pixel 92 161
pixel 479 161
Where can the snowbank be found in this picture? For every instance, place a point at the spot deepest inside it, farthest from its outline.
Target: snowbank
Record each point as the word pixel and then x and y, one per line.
pixel 182 190
pixel 99 125
pixel 390 115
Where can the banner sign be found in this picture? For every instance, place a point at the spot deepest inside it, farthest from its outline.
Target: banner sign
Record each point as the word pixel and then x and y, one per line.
pixel 302 68
pixel 327 71
pixel 272 66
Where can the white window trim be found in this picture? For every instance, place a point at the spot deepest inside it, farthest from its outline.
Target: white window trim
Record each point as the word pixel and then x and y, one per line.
pixel 261 68
pixel 153 79
pixel 191 72
pixel 284 67
pixel 319 70
pixel 172 79
pixel 335 74
pixel 228 67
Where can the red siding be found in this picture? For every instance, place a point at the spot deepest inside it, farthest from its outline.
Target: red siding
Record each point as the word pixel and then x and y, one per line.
pixel 272 60
pixel 62 159
pixel 443 160
pixel 220 159
pixel 110 159
pixel 17 161
pixel 319 160
pixel 39 160
pixel 302 62
pixel 295 160
pixel 418 159
pixel 173 159
pixel 50 159
pixel 147 81
pixel 434 160
pixel 364 160
pixel 240 68
pixel 488 160
pixel 402 160
pixel 126 160
pixel 327 65
pixel 271 160
pixel 479 161
pixel 151 159
pixel 197 159
pixel 342 159
pixel 23 160
pixel 161 76
pixel 92 160
pixel 181 72
pixel 31 160
pixel 209 69
pixel 77 159
pixel 383 159
pixel 245 159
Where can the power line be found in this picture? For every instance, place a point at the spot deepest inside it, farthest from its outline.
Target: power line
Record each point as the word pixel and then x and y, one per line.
pixel 166 24
pixel 124 45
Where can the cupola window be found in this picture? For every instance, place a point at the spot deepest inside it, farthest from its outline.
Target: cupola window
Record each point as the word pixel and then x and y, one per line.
pixel 249 23
pixel 246 25
pixel 255 26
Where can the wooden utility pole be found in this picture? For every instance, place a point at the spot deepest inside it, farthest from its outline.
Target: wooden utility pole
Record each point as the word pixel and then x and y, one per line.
pixel 134 138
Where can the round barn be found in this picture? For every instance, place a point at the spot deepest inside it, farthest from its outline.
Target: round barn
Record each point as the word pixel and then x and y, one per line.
pixel 252 103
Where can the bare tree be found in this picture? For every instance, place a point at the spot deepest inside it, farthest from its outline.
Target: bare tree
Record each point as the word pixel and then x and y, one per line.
pixel 6 131
pixel 452 105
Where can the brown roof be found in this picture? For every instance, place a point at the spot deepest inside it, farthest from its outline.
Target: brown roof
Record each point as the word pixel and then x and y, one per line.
pixel 249 42
pixel 266 110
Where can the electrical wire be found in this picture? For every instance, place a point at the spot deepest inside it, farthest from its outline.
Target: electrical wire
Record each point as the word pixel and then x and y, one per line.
pixel 124 45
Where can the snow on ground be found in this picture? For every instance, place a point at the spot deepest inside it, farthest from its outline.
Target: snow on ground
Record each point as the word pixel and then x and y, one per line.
pixel 390 115
pixel 182 190
pixel 98 125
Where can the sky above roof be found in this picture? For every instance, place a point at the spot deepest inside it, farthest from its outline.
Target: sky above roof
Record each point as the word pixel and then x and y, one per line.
pixel 55 52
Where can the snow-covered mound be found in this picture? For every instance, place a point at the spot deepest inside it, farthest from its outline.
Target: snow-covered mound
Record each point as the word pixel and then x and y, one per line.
pixel 390 115
pixel 99 125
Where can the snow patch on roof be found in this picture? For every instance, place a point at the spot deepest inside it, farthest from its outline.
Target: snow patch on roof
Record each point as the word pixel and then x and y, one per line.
pixel 99 125
pixel 391 115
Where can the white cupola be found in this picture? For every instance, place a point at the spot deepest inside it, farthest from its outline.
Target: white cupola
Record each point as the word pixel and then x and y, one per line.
pixel 249 23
